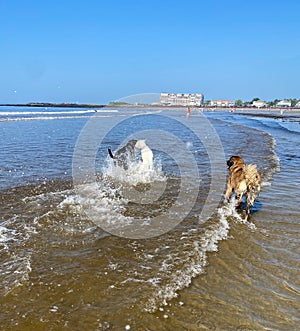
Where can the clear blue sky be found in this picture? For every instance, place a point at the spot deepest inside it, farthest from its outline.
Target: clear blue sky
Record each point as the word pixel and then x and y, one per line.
pixel 99 51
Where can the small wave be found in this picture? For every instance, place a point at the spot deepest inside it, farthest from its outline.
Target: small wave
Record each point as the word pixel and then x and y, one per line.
pixel 229 211
pixel 196 246
pixel 23 113
pixel 15 259
pixel 196 257
pixel 6 235
pixel 14 231
pixel 275 157
pixel 39 118
pixel 273 165
pixel 291 126
pixel 14 272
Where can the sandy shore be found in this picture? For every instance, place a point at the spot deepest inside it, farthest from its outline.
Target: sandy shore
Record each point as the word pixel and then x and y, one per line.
pixel 272 114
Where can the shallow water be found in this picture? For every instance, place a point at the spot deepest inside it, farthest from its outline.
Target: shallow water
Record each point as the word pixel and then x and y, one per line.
pixel 61 269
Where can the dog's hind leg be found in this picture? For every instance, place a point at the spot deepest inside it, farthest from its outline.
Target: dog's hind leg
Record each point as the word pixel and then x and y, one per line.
pixel 248 212
pixel 251 196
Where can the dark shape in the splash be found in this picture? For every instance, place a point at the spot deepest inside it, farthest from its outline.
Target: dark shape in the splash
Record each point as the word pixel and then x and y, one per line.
pixel 124 155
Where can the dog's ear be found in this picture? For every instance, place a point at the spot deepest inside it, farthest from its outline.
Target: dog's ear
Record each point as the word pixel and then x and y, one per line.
pixel 230 163
pixel 240 159
pixel 235 159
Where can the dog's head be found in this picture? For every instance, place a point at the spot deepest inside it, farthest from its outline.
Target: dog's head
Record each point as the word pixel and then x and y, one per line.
pixel 235 161
pixel 140 144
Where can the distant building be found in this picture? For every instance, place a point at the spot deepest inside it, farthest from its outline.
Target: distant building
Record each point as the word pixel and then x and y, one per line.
pixel 221 103
pixel 284 103
pixel 181 99
pixel 259 103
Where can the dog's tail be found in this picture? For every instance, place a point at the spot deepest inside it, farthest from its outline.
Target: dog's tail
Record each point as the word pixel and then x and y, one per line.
pixel 251 175
pixel 253 182
pixel 110 153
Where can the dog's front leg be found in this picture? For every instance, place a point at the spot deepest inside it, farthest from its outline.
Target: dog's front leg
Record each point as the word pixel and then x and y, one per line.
pixel 239 198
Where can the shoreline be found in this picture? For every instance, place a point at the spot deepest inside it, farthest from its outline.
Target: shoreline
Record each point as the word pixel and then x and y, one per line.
pixel 277 113
pixel 271 115
pixel 88 105
pixel 53 105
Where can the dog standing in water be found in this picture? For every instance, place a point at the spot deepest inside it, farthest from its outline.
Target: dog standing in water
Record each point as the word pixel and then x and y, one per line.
pixel 243 179
pixel 147 154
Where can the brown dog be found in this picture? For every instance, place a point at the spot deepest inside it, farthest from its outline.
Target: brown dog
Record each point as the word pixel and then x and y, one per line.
pixel 243 179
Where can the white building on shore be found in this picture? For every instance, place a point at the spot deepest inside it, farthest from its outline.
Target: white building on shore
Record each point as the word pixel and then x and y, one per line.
pixel 284 103
pixel 259 103
pixel 181 99
pixel 221 103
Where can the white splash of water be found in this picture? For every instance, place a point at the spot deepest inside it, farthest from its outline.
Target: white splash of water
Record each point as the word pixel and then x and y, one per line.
pixel 136 173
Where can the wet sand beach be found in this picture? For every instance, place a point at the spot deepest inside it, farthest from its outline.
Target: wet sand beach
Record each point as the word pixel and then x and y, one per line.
pixel 65 269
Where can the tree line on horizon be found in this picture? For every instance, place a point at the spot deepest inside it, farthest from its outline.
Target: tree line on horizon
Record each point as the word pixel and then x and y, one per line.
pixel 272 103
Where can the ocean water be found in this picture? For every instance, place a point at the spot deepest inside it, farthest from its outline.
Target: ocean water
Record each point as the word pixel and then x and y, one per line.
pixel 87 246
